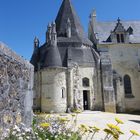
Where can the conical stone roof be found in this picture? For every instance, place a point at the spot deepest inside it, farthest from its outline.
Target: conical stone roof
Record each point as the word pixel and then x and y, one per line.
pixel 67 12
pixel 52 57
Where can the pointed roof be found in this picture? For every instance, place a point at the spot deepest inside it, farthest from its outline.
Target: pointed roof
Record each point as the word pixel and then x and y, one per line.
pixel 67 12
pixel 52 58
pixel 119 27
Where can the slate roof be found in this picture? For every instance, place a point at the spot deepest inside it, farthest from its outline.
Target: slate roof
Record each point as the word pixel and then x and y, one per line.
pixel 82 56
pixel 52 57
pixel 65 53
pixel 103 30
pixel 68 50
pixel 34 59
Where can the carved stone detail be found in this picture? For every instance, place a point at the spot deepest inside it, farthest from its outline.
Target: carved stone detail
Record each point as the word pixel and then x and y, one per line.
pixel 76 87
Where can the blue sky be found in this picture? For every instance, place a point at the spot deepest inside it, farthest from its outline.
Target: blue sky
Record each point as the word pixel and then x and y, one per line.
pixel 22 20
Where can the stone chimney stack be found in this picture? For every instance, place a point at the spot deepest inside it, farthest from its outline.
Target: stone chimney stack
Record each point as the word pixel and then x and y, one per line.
pixel 48 33
pixel 53 35
pixel 36 43
pixel 93 16
pixel 68 30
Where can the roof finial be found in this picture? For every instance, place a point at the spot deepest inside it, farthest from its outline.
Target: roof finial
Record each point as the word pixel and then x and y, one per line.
pixel 118 20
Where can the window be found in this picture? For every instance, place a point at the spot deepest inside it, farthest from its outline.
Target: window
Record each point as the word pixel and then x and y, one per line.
pixel 127 86
pixel 85 82
pixel 120 38
pixel 130 30
pixel 63 92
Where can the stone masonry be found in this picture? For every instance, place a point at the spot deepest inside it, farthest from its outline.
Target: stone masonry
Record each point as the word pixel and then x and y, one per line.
pixel 16 83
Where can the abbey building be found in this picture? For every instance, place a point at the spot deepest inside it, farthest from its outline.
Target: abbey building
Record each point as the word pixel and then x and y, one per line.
pixel 98 72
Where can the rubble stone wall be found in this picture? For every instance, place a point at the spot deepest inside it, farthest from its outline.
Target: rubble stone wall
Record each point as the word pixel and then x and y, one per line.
pixel 16 83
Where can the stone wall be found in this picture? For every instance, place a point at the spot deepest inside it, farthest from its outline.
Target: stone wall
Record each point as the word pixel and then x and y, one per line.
pixel 53 90
pixel 76 89
pixel 16 83
pixel 87 72
pixel 125 59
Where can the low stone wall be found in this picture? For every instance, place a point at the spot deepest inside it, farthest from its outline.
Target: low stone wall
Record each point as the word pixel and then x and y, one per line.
pixel 16 83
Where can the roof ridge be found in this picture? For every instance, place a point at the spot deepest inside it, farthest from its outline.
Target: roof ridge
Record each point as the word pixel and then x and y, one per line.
pixel 114 21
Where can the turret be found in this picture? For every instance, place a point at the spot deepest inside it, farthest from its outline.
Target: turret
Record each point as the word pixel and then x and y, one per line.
pixel 68 30
pixel 48 33
pixel 53 35
pixel 36 43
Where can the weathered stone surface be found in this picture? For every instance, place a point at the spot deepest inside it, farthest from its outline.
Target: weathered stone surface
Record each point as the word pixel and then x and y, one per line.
pixel 16 83
pixel 124 57
pixel 107 81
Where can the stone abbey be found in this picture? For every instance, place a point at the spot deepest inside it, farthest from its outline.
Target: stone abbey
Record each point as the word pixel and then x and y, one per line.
pixel 98 72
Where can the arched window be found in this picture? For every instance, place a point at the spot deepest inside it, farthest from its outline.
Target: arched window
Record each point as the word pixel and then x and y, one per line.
pixel 127 85
pixel 85 82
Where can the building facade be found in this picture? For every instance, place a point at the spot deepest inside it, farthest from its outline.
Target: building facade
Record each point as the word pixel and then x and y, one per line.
pixel 120 42
pixel 74 72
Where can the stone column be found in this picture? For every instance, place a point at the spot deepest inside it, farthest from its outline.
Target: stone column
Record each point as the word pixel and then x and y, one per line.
pixel 97 99
pixel 69 88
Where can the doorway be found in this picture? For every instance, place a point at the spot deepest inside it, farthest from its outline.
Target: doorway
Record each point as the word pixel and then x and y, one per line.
pixel 86 100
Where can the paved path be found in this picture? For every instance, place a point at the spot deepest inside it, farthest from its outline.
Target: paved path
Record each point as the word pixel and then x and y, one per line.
pixel 100 119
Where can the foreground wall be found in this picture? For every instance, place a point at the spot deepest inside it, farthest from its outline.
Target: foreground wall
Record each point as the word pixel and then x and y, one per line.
pixel 16 83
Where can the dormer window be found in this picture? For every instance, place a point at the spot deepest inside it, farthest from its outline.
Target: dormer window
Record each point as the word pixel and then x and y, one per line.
pixel 120 38
pixel 119 34
pixel 130 30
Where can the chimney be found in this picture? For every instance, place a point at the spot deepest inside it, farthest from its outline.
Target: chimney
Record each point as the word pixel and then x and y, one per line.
pixel 48 33
pixel 68 30
pixel 36 43
pixel 53 35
